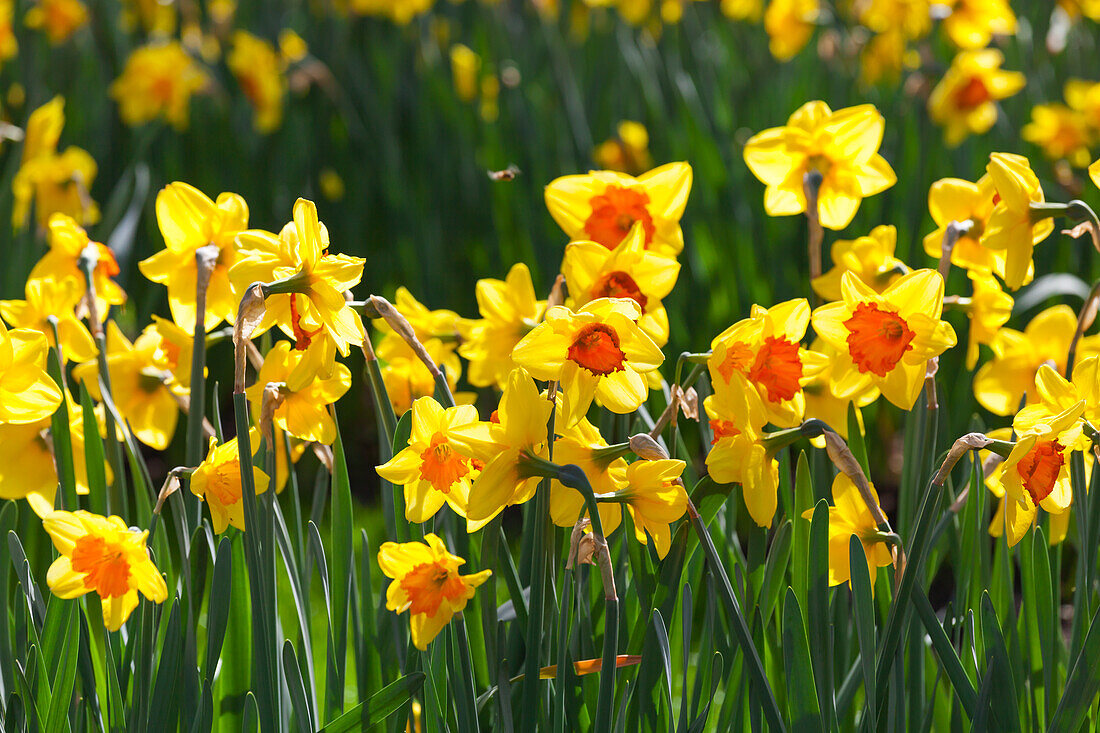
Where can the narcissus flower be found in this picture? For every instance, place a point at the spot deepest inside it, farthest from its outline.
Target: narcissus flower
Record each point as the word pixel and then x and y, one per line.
pixel 956 200
pixel 655 499
pixel 823 401
pixel 1002 383
pixel 102 554
pixel 465 65
pixel 598 352
pixel 59 19
pixel 627 152
pixel 405 375
pixel 45 298
pixel 842 146
pixel 259 72
pixel 523 415
pixel 627 271
pixel 1011 227
pixel 964 102
pixel 303 412
pixel 312 303
pixel 789 25
pixel 750 10
pixel 217 481
pixel 849 515
pixel 766 349
pixel 738 453
pixel 603 206
pixel 889 336
pixel 1062 133
pixel 68 241
pixel 431 469
pixel 189 220
pixel 141 385
pixel 1084 96
pixel 910 18
pixel 870 258
pixel 583 446
pixel 427 584
pixel 509 310
pixel 989 309
pixel 158 81
pixel 27 393
pixel 9 45
pixel 973 23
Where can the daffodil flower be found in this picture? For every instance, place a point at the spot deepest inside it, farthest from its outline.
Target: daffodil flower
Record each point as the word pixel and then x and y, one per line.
pixel 841 146
pixel 823 402
pixel 871 258
pixel 889 336
pixel 655 498
pixel 102 554
pixel 1012 226
pixel 1062 132
pixel 59 19
pixel 45 298
pixel 27 393
pixel 969 204
pixel 598 352
pixel 973 23
pixel 259 72
pixel 217 480
pixel 790 24
pixel 158 80
pixel 989 310
pixel 68 243
pixel 427 584
pixel 964 102
pixel 849 515
pixel 603 466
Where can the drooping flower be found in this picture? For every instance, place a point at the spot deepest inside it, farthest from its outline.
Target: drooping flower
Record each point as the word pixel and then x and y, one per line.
pixel 189 220
pixel 1010 227
pixel 655 498
pixel 627 152
pixel 509 310
pixel 870 258
pixel 989 310
pixel 598 352
pixel 45 298
pixel 889 336
pixel 259 72
pixel 427 584
pixel 59 19
pixel 583 446
pixel 603 206
pixel 431 469
pixel 407 378
pixel 964 101
pixel 956 200
pixel 973 23
pixel 628 271
pixel 766 349
pixel 27 393
pixel 1003 382
pixel 1063 133
pixel 849 515
pixel 102 554
pixel 68 241
pixel 217 480
pixel 790 24
pixel 842 146
pixel 158 81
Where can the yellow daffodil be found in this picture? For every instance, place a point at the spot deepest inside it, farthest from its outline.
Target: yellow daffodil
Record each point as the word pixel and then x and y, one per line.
pixel 964 102
pixel 431 469
pixel 910 18
pixel 465 65
pixel 400 12
pixel 313 303
pixel 738 454
pixel 885 56
pixel 889 336
pixel 68 241
pixel 973 23
pixel 603 206
pixel 189 220
pixel 27 393
pixel 9 45
pixel 173 352
pixel 1063 133
pixel 628 271
pixel 989 310
pixel 1002 383
pixel 45 298
pixel 849 515
pixel 304 412
pixel 627 152
pixel 523 416
pixel 1075 9
pixel 963 202
pixel 655 499
pixel 870 258
pixel 141 385
pixel 155 17
pixel 822 400
pixel 790 25
pixel 583 446
pixel 427 584
pixel 259 72
pixel 1094 172
pixel 427 324
pixel 1010 227
pixel 55 182
pixel 1084 97
pixel 158 81
pixel 598 352
pixel 217 481
pixel 509 310
pixel 407 378
pixel 765 348
pixel 750 10
pixel 59 19
pixel 842 146
pixel 102 554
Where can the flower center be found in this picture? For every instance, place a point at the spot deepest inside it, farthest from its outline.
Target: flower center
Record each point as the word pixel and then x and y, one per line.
pixel 224 483
pixel 619 284
pixel 428 585
pixel 614 213
pixel 971 95
pixel 1039 469
pixel 104 563
pixel 162 89
pixel 441 466
pixel 820 163
pixel 596 348
pixel 738 359
pixel 877 339
pixel 722 429
pixel 778 368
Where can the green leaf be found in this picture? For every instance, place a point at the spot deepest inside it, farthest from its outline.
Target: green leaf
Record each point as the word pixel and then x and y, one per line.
pixel 164 710
pixel 999 667
pixel 341 559
pixel 775 568
pixel 61 696
pixel 802 706
pixel 864 607
pixel 821 635
pixel 293 674
pixel 382 704
pixel 62 440
pixel 95 461
pixel 952 665
pixel 700 722
pixel 217 611
pixel 1082 684
pixel 23 572
pixel 1047 619
pixel 800 537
